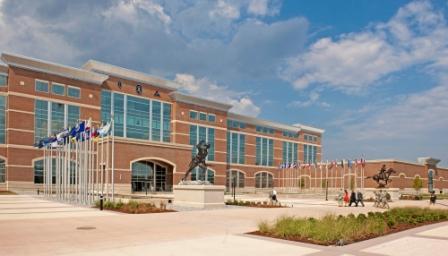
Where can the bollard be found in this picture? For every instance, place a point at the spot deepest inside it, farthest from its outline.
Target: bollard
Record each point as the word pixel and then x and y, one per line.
pixel 101 202
pixel 37 191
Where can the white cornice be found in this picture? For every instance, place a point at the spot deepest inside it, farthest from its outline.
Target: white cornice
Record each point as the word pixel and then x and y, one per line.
pixel 261 122
pixel 132 75
pixel 309 128
pixel 52 68
pixel 177 96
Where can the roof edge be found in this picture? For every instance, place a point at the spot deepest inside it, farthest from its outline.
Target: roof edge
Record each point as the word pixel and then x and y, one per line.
pixel 258 121
pixel 48 67
pixel 177 96
pixel 128 74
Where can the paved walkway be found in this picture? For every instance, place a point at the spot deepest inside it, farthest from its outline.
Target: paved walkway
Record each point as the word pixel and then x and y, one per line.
pixel 29 226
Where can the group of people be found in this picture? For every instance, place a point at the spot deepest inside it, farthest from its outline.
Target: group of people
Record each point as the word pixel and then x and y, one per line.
pixel 344 199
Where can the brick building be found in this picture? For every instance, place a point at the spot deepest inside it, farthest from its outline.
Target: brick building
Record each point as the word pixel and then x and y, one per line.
pixel 155 128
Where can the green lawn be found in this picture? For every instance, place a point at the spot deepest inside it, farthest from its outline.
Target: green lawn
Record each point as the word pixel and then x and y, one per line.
pixel 333 229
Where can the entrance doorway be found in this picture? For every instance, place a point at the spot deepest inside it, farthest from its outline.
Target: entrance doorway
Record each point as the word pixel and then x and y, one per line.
pixel 151 176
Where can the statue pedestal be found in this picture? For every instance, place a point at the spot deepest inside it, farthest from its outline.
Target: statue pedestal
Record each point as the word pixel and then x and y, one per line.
pixel 199 196
pixel 393 192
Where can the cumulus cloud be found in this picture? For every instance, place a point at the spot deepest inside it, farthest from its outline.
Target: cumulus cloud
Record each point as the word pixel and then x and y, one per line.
pixel 242 103
pixel 354 61
pixel 128 11
pixel 225 10
pixel 313 100
pixel 264 7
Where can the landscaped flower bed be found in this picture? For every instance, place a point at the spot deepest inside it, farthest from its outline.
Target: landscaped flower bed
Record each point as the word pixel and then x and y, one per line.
pixel 133 207
pixel 341 230
pixel 264 204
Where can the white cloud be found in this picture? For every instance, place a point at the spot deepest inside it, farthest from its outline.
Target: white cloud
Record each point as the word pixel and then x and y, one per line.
pixel 203 87
pixel 263 7
pixel 354 61
pixel 226 10
pixel 313 100
pixel 128 11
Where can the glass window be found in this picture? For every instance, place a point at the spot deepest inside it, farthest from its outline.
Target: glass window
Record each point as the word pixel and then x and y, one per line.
pixel 203 116
pixel 2 171
pixel 74 92
pixel 211 118
pixel 2 119
pixel 73 115
pixel 264 151
pixel 156 120
pixel 199 174
pixel 166 122
pixel 235 147
pixel 40 119
pixel 3 80
pixel 57 117
pixel 137 118
pixel 41 86
pixel 264 180
pixel 193 115
pixel 236 177
pixel 58 89
pixel 39 171
pixel 289 154
pixel 106 97
pixel 118 114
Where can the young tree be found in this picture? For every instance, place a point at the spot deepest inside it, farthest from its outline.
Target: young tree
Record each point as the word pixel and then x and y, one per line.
pixel 417 184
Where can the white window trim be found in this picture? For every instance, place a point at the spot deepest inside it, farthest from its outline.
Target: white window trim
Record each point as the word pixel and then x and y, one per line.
pixel 57 84
pixel 44 81
pixel 76 88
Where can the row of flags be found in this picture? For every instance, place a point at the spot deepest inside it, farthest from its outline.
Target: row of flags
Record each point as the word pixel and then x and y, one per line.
pixel 330 164
pixel 82 131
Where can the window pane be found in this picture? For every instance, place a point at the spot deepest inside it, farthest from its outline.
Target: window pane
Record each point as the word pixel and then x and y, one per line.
pixel 58 89
pixel 241 149
pixel 40 120
pixel 74 92
pixel 193 115
pixel 118 114
pixel 2 171
pixel 137 118
pixel 211 140
pixel 2 119
pixel 57 117
pixel 166 122
pixel 234 151
pixel 105 106
pixel 3 80
pixel 203 116
pixel 156 120
pixel 73 115
pixel 211 118
pixel 39 171
pixel 41 86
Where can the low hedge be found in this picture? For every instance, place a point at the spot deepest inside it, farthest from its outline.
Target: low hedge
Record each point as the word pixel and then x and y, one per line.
pixel 133 207
pixel 340 230
pixel 263 204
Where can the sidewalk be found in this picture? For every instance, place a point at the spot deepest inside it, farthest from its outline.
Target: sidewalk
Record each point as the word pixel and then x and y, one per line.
pixel 210 232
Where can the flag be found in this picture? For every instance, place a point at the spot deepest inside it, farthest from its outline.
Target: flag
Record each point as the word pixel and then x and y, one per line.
pixel 342 163
pixel 104 130
pixel 363 162
pixel 349 163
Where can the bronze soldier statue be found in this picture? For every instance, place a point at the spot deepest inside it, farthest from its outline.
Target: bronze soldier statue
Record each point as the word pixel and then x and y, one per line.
pixel 382 178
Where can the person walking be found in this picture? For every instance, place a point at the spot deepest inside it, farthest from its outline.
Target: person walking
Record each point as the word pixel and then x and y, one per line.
pixel 346 198
pixel 340 197
pixel 360 199
pixel 432 198
pixel 274 196
pixel 353 199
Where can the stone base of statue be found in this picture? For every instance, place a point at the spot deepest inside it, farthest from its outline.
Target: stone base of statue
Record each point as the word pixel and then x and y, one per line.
pixel 201 195
pixel 393 192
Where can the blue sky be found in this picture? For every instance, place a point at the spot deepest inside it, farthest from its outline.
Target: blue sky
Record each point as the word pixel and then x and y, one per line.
pixel 373 74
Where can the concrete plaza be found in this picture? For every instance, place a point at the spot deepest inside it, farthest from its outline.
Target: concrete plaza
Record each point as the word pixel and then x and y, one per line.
pixel 33 226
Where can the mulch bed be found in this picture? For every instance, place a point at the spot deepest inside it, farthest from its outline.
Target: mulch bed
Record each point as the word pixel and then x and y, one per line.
pixel 259 205
pixel 396 229
pixel 7 193
pixel 140 211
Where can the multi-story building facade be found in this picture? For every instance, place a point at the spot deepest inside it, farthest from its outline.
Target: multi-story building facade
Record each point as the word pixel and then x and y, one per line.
pixel 155 128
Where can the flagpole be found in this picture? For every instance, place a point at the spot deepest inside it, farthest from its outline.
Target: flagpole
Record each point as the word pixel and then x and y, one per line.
pixel 113 156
